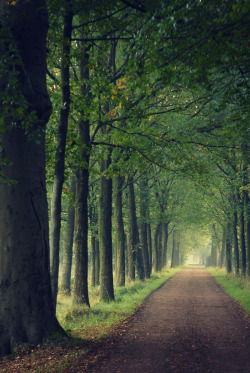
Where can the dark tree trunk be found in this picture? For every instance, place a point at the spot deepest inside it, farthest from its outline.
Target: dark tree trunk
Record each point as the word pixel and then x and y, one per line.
pixel 68 240
pixel 105 234
pixel 143 224
pixel 175 251
pixel 97 262
pixel 27 312
pixel 93 260
pixel 229 249
pixel 247 214
pixel 150 250
pixel 165 245
pixel 157 240
pixel 242 236
pixel 93 224
pixel 223 248
pixel 235 236
pixel 80 295
pixel 55 223
pixel 119 231
pixel 134 233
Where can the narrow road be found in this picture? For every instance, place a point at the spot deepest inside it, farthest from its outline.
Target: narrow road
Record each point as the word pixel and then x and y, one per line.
pixel 189 325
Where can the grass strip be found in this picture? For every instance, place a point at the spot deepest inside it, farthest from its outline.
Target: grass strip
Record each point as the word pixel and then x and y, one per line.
pixel 238 287
pixel 99 320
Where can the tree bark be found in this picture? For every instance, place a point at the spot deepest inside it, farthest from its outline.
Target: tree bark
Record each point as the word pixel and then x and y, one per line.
pixel 119 231
pixel 150 251
pixel 80 295
pixel 235 236
pixel 229 249
pixel 143 224
pixel 55 222
pixel 68 240
pixel 27 312
pixel 105 234
pixel 156 246
pixel 134 233
pixel 165 245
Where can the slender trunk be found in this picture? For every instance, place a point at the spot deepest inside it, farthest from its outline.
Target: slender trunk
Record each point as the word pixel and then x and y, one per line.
pixel 143 224
pixel 229 249
pixel 235 236
pixel 80 295
pixel 119 231
pixel 134 233
pixel 165 245
pixel 150 250
pixel 97 262
pixel 93 260
pixel 105 234
pixel 68 240
pixel 223 248
pixel 55 224
pixel 242 239
pixel 247 214
pixel 156 247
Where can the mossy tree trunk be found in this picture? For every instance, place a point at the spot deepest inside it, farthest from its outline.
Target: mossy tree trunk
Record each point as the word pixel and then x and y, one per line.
pixel 27 312
pixel 143 224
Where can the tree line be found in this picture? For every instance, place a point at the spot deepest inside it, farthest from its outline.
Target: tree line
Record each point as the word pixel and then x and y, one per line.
pixel 143 159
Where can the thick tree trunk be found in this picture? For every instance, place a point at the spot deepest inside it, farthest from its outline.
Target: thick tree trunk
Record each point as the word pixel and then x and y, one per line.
pixel 27 313
pixel 134 233
pixel 105 234
pixel 55 222
pixel 119 231
pixel 68 240
pixel 143 225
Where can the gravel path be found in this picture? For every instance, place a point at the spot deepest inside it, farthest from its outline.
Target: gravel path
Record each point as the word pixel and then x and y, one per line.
pixel 189 325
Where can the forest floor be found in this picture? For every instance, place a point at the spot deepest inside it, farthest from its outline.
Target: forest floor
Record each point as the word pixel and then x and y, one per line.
pixel 188 325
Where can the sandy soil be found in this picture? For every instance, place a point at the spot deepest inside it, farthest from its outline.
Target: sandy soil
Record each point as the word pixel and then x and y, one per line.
pixel 188 325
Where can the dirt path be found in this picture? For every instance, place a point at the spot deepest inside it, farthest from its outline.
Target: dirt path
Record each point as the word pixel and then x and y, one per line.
pixel 188 325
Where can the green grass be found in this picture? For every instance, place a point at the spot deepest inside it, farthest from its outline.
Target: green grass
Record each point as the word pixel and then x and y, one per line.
pixel 99 320
pixel 237 287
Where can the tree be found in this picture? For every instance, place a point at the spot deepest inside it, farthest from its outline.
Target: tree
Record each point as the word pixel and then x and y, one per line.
pixel 27 312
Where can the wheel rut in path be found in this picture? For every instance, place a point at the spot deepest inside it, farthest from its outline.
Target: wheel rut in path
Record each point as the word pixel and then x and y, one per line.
pixel 189 325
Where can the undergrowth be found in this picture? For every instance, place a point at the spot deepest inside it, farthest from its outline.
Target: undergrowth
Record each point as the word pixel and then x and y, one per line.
pixel 238 287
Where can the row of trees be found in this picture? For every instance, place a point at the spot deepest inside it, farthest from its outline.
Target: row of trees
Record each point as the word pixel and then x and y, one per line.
pixel 147 140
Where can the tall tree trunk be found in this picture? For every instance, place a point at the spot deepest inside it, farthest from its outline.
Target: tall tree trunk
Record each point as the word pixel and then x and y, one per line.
pixel 93 223
pixel 175 250
pixel 68 240
pixel 247 214
pixel 134 233
pixel 223 248
pixel 229 249
pixel 165 245
pixel 119 231
pixel 93 260
pixel 27 312
pixel 105 234
pixel 150 250
pixel 55 223
pixel 143 224
pixel 235 236
pixel 156 247
pixel 97 262
pixel 80 295
pixel 242 238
